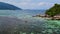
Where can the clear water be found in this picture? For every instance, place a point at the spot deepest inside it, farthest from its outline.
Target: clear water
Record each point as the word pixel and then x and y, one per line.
pixel 22 22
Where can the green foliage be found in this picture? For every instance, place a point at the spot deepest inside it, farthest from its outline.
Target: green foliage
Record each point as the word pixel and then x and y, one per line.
pixel 53 10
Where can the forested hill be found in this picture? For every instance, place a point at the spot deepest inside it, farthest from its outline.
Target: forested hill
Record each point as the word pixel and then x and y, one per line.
pixel 53 10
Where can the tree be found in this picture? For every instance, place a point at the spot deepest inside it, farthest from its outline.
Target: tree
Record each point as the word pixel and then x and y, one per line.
pixel 53 10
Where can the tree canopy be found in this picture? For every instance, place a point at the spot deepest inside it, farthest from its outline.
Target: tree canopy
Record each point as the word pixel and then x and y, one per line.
pixel 53 10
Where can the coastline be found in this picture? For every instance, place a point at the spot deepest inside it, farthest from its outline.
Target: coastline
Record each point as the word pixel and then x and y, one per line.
pixel 47 17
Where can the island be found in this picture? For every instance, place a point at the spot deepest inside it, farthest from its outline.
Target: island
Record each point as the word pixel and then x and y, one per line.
pixel 52 13
pixel 6 6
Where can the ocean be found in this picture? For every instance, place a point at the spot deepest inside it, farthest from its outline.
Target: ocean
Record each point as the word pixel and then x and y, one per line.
pixel 22 22
pixel 21 12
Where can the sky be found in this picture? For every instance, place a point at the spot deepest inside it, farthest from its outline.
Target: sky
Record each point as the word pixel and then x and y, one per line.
pixel 32 4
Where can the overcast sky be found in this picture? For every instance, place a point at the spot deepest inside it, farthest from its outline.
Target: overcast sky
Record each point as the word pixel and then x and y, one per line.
pixel 32 4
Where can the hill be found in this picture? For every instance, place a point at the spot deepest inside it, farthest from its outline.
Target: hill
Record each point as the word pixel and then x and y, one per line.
pixel 6 6
pixel 55 10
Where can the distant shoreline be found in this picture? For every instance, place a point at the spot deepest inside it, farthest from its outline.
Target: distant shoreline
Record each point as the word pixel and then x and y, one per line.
pixel 47 17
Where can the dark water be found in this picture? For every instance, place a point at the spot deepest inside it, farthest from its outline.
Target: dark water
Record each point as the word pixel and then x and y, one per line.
pixel 22 22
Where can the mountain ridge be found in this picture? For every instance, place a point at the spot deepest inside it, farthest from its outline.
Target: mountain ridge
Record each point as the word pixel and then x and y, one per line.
pixel 6 6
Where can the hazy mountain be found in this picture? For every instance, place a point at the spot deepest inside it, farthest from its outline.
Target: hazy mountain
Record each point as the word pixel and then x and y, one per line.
pixel 6 6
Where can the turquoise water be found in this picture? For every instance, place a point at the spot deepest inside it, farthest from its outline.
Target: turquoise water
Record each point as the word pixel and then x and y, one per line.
pixel 21 21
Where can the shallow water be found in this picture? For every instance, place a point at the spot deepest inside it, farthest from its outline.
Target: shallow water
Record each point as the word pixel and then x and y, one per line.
pixel 17 21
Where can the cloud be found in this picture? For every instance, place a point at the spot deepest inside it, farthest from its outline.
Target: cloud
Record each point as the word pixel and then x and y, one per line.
pixel 45 3
pixel 28 4
pixel 23 3
pixel 32 5
pixel 41 3
pixel 26 0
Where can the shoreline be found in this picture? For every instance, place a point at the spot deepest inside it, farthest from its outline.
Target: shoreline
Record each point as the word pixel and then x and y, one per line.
pixel 52 18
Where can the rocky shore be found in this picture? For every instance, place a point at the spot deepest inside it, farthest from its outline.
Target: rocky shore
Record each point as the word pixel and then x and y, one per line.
pixel 56 17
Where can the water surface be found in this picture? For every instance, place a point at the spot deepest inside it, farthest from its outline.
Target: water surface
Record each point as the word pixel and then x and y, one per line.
pixel 21 21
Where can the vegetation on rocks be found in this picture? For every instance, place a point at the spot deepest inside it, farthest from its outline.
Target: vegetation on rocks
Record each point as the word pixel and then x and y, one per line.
pixel 53 10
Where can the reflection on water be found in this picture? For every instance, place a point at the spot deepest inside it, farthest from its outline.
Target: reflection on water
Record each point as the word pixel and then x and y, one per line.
pixel 23 23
